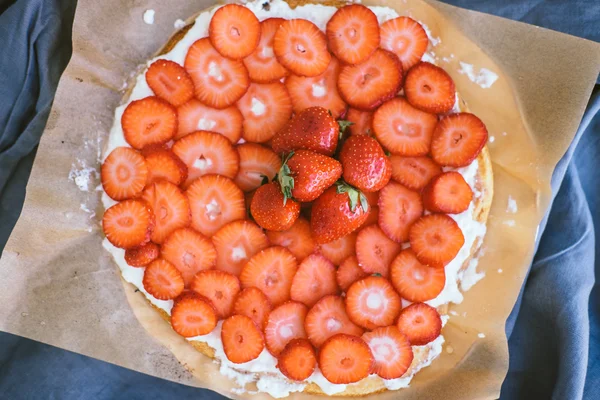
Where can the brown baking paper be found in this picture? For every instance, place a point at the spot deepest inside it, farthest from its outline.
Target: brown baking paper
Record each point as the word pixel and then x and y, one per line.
pixel 58 285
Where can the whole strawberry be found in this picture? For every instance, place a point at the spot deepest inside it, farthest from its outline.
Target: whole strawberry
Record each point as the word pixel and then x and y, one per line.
pixel 311 129
pixel 306 174
pixel 365 164
pixel 271 210
pixel 340 210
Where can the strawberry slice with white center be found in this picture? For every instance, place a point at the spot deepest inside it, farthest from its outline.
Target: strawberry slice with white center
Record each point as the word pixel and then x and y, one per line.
pixel 124 174
pixel 458 139
pixel 391 350
pixel 234 30
pixel 190 252
pixel 429 88
pixel 414 281
pixel 372 302
pixel 195 116
pixel 257 162
pixel 128 224
pixel 262 64
pixel 420 323
pixel 285 323
pixel 149 121
pixel 436 239
pixel 406 38
pixel 399 208
pixel 170 206
pixel 170 81
pixel 236 243
pixel 219 81
pixel 353 33
pixel 327 318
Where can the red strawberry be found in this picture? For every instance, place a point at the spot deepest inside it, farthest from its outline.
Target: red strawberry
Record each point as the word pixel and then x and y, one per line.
pixel 372 197
pixel 414 172
pixel 219 81
pixel 391 351
pixel 403 129
pixel 447 193
pixel 234 31
pixel 170 82
pixel 301 47
pixel 285 323
pixel 458 139
pixel 124 174
pixel 193 315
pixel 340 249
pixel 362 122
pixel 128 224
pixel 320 90
pixel 349 272
pixel 242 340
pixel 149 121
pixel 171 209
pixel 253 303
pixel 162 280
pixel 345 359
pixel 190 252
pixel 372 302
pixel 353 33
pixel 311 129
pixel 214 201
pixel 314 279
pixel 406 38
pixel 365 86
pixel 298 360
pixel 414 281
pixel 436 239
pixel 266 108
pixel 262 65
pixel 420 323
pixel 338 212
pixel 327 318
pixel 365 164
pixel 429 88
pixel 194 116
pixel 375 251
pixel 236 243
pixel 221 288
pixel 399 208
pixel 271 210
pixel 373 217
pixel 163 164
pixel 256 163
pixel 297 239
pixel 143 255
pixel 271 270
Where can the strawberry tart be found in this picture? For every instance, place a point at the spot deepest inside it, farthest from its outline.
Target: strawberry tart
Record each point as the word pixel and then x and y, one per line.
pixel 299 194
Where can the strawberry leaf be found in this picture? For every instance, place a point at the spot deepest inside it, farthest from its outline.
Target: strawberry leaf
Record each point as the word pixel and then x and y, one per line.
pixel 364 203
pixel 343 126
pixel 285 179
pixel 354 195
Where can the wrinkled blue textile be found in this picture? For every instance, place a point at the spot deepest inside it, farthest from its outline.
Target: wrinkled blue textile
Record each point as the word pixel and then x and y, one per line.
pixel 554 330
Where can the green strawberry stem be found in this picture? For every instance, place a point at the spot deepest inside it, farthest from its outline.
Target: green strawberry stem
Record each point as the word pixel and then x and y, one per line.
pixel 285 179
pixel 354 195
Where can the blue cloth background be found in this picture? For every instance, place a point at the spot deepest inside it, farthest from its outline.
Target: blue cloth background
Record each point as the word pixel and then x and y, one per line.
pixel 554 330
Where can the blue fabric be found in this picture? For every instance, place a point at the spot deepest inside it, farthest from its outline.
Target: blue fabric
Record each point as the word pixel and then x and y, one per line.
pixel 554 330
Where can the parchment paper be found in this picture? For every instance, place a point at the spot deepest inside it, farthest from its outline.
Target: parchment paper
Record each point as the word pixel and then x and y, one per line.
pixel 58 286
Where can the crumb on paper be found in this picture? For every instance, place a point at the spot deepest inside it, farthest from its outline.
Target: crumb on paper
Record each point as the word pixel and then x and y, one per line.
pixel 149 16
pixel 83 176
pixel 509 222
pixel 484 78
pixel 511 206
pixel 449 349
pixel 504 133
pixel 492 139
pixel 179 23
pixel 86 209
pixel 429 57
pixel 452 312
pixel 481 335
pixel 446 59
pixel 500 270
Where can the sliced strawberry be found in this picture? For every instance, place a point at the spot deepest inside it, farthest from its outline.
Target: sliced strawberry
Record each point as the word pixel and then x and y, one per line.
pixel 266 108
pixel 207 153
pixel 143 255
pixel 194 116
pixel 403 129
pixel 338 250
pixel 414 281
pixel 262 64
pixel 234 31
pixel 170 82
pixel 190 252
pixel 253 303
pixel 128 224
pixel 399 208
pixel 429 88
pixel 163 164
pixel 458 139
pixel 362 122
pixel 162 280
pixel 221 288
pixel 406 38
pixel 236 243
pixel 320 90
pixel 349 272
pixel 306 174
pixel 149 121
pixel 447 193
pixel 124 174
pixel 296 239
pixel 327 318
pixel 256 163
pixel 414 172
pixel 365 86
pixel 436 239
pixel 372 302
pixel 353 33
pixel 214 201
pixel 375 251
pixel 345 359
pixel 219 81
pixel 373 217
pixel 365 164
pixel 298 360
pixel 285 323
pixel 314 279
pixel 420 323
pixel 271 211
pixel 171 209
pixel 391 350
pixel 192 315
pixel 242 340
pixel 272 270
